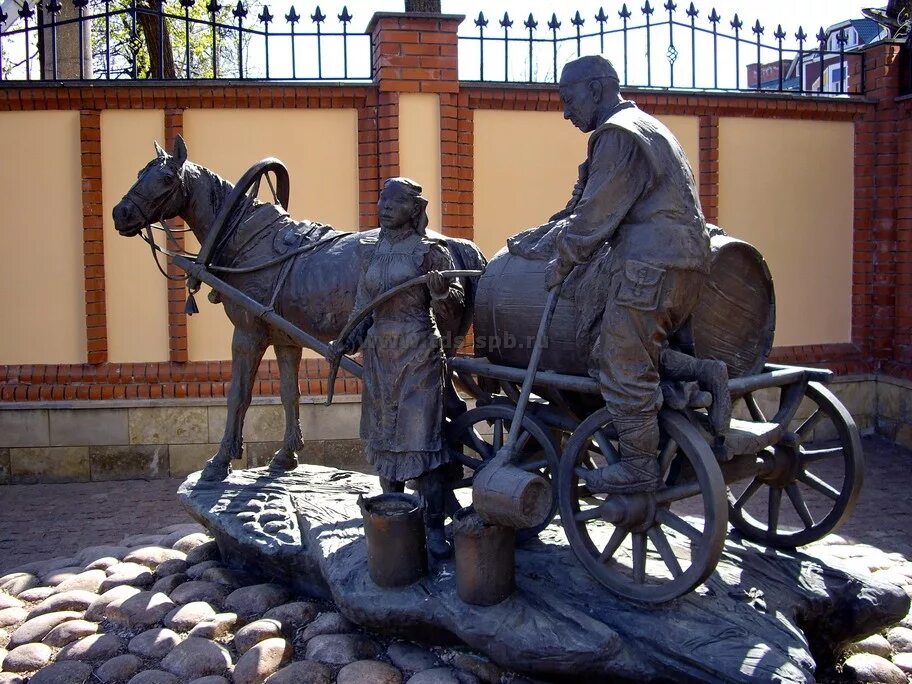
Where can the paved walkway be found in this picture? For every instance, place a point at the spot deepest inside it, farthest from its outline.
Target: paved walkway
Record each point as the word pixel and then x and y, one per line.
pixel 43 521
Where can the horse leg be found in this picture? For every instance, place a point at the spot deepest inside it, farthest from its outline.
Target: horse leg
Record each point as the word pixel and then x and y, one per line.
pixel 289 359
pixel 247 349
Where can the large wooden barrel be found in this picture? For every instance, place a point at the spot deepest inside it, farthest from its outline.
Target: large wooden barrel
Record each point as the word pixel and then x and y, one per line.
pixel 734 321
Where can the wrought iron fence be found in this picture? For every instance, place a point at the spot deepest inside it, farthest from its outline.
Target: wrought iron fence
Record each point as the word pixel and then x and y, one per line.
pixel 663 47
pixel 177 39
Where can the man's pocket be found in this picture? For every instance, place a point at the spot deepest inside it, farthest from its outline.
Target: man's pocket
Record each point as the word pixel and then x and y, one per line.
pixel 641 286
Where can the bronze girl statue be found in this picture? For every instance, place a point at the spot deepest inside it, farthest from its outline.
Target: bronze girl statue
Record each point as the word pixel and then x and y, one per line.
pixel 402 407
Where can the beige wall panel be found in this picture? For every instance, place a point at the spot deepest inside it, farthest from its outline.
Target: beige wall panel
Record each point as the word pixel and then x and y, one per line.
pixel 787 187
pixel 320 149
pixel 419 147
pixel 42 290
pixel 526 164
pixel 137 294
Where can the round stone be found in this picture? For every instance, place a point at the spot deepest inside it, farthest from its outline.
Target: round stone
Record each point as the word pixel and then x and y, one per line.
pixel 12 616
pixel 223 576
pixel 904 662
pixel 154 677
pixel 875 644
pixel 132 574
pixel 197 570
pixel 185 618
pixel 437 675
pixel 119 669
pixel 900 639
pixel 65 672
pixel 327 623
pixel 94 647
pixel 256 599
pixel 134 540
pixel 868 669
pixel 219 626
pixel 43 567
pixel 145 609
pixel 153 556
pixel 410 657
pixel 37 594
pixel 171 567
pixel 203 552
pixel 70 631
pixel 75 599
pixel 92 554
pixel 340 649
pixel 154 643
pixel 250 635
pixel 103 563
pixel 293 616
pixel 37 628
pixel 194 658
pixel 264 659
pixel 90 580
pixel 168 584
pixel 477 665
pixel 189 592
pixel 27 658
pixel 7 601
pixel 190 541
pixel 302 672
pixel 211 679
pixel 10 678
pixel 96 610
pixel 17 582
pixel 55 577
pixel 372 671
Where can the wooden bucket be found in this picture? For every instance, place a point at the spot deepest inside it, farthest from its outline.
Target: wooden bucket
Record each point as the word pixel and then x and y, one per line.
pixel 484 559
pixel 503 494
pixel 396 548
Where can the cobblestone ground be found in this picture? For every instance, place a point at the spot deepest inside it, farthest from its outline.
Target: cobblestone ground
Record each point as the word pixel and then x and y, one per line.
pixel 156 606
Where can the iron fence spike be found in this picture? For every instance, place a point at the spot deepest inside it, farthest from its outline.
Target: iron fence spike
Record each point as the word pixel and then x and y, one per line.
pixel 318 17
pixel 577 20
pixel 692 11
pixel 625 13
pixel 80 3
pixel 530 23
pixel 187 3
pixel 506 22
pixel 647 9
pixel 26 11
pixel 292 17
pixel 821 35
pixel 481 22
pixel 779 34
pixel 213 7
pixel 757 28
pixel 736 23
pixel 714 18
pixel 670 6
pixel 53 6
pixel 601 17
pixel 265 16
pixel 345 17
pixel 554 24
pixel 239 11
pixel 842 37
pixel 801 35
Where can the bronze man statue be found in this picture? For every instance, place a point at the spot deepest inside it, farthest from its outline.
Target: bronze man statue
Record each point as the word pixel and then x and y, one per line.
pixel 636 212
pixel 402 405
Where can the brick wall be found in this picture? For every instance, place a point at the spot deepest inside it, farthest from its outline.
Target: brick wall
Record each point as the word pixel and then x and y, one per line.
pixel 419 54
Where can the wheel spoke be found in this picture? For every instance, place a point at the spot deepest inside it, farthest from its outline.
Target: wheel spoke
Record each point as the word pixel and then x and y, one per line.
pixel 748 492
pixel 589 514
pixel 497 441
pixel 534 465
pixel 613 544
pixel 660 541
pixel 522 440
pixel 810 423
pixel 794 495
pixel 819 485
pixel 605 447
pixel 754 408
pixel 459 484
pixel 678 524
pixel 814 455
pixel 665 458
pixel 678 492
pixel 639 557
pixel 775 503
pixel 476 442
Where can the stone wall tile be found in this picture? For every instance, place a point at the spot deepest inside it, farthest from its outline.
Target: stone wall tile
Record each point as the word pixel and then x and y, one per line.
pixel 169 425
pixel 130 462
pixel 49 464
pixel 24 428
pixel 188 458
pixel 87 427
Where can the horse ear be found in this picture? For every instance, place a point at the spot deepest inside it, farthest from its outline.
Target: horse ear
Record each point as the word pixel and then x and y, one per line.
pixel 180 151
pixel 159 151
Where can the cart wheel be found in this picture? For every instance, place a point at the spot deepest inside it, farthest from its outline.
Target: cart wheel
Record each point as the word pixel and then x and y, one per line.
pixel 477 435
pixel 612 534
pixel 818 466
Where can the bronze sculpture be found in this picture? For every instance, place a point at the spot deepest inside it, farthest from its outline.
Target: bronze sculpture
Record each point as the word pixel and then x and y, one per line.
pixel 404 365
pixel 634 221
pixel 304 272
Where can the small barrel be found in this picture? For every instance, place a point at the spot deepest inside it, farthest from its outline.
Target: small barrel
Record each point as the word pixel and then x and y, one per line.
pixel 396 548
pixel 506 495
pixel 484 559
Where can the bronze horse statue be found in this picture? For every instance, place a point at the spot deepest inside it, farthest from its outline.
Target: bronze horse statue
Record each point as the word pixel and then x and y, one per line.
pixel 305 271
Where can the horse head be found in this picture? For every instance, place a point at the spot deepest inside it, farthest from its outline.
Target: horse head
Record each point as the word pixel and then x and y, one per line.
pixel 157 194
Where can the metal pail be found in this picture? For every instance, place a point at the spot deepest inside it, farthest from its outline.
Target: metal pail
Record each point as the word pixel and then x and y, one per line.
pixel 484 559
pixel 396 549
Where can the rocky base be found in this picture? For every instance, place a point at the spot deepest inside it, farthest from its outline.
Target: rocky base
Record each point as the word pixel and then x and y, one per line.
pixel 763 614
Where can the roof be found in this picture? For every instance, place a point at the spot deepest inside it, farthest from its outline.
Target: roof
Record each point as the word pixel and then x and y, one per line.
pixel 868 30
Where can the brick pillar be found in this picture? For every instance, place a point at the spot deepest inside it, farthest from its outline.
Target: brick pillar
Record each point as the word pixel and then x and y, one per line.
pixel 417 53
pixel 93 237
pixel 877 144
pixel 709 167
pixel 902 255
pixel 177 291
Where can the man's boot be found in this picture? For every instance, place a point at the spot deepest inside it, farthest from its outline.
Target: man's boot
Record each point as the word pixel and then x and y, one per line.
pixel 638 468
pixel 391 486
pixel 431 487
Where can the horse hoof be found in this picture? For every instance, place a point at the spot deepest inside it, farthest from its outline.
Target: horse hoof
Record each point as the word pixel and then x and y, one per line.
pixel 280 464
pixel 215 471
